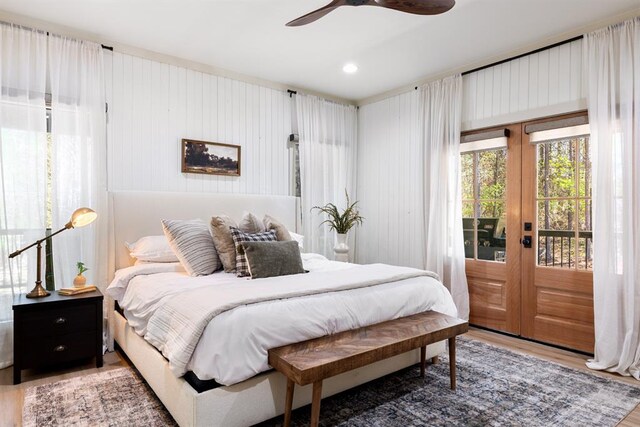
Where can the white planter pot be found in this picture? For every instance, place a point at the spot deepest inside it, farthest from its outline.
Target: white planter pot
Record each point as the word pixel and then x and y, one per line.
pixel 341 249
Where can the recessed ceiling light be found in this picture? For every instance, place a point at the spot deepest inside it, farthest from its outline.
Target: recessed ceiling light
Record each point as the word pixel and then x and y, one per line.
pixel 350 68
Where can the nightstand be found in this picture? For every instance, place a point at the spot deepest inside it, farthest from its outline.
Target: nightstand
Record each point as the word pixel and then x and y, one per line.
pixel 56 329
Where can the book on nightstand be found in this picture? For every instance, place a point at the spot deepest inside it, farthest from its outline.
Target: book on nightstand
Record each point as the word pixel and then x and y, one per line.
pixel 76 291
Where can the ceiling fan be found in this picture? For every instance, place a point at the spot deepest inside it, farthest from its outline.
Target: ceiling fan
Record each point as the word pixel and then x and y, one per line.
pixel 417 7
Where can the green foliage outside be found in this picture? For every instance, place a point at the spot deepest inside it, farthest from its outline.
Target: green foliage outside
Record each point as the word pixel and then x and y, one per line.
pixel 564 197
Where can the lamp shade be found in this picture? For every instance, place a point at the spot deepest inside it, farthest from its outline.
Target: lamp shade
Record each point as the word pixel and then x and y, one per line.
pixel 82 217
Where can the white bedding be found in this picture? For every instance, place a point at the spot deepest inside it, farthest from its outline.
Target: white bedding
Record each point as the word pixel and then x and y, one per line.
pixel 233 346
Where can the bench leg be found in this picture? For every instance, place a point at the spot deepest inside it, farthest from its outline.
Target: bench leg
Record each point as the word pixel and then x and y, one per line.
pixel 423 360
pixel 435 360
pixel 288 403
pixel 315 403
pixel 452 361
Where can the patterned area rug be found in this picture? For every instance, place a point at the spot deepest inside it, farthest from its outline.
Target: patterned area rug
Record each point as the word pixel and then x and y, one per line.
pixel 496 387
pixel 118 397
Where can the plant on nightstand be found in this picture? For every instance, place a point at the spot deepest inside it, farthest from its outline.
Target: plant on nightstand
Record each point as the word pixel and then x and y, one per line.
pixel 341 223
pixel 79 281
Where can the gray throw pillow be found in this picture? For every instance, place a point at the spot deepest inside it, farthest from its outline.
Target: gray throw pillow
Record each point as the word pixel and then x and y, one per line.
pixel 193 245
pixel 271 259
pixel 242 268
pixel 251 224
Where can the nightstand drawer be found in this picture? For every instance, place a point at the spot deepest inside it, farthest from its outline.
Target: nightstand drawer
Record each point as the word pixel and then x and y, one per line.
pixel 59 321
pixel 53 350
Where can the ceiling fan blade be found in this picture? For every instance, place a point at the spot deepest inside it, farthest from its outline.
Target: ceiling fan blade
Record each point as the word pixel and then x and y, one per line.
pixel 417 7
pixel 316 14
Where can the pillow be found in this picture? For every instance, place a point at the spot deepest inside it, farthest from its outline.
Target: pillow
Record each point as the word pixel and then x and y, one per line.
pixel 152 249
pixel 298 238
pixel 193 245
pixel 220 230
pixel 242 268
pixel 251 224
pixel 270 223
pixel 271 259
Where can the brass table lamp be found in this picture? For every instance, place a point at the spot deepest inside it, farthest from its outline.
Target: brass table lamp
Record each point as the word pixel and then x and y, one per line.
pixel 79 218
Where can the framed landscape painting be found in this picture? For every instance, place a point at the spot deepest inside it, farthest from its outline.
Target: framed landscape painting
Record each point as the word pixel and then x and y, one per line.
pixel 210 158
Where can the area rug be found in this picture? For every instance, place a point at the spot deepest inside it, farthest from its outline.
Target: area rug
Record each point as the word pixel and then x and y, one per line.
pixel 118 397
pixel 496 387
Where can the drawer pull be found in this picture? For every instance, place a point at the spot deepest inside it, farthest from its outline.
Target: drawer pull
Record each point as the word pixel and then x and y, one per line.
pixel 60 321
pixel 60 348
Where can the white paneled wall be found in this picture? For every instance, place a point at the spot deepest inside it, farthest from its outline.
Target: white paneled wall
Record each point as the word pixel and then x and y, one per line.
pixel 389 154
pixel 538 85
pixel 153 105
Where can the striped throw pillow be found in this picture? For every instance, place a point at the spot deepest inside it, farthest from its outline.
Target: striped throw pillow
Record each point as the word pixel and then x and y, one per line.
pixel 242 266
pixel 193 245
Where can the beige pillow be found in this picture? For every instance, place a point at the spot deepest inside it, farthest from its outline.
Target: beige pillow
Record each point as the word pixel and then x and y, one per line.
pixel 251 224
pixel 271 223
pixel 223 241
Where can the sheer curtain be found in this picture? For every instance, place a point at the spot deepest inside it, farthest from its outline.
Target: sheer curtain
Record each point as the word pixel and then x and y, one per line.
pixel 440 120
pixel 612 64
pixel 328 135
pixel 23 159
pixel 78 129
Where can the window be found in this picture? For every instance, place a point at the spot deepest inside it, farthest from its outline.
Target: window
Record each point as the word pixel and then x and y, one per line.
pixel 564 203
pixel 484 204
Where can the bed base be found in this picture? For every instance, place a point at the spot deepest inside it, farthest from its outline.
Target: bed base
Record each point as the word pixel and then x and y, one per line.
pixel 249 402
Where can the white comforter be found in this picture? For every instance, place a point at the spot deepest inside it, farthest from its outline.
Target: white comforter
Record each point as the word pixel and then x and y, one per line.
pixel 233 345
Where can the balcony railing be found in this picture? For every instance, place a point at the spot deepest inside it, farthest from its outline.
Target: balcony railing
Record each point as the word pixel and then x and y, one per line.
pixel 560 249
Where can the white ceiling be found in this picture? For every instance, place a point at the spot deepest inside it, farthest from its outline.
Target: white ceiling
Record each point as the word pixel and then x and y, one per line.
pixel 390 48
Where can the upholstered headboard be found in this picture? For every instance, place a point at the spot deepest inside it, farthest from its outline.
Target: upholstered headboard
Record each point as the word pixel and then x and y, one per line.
pixel 134 214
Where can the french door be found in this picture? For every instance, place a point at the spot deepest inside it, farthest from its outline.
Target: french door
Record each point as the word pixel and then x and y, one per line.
pixel 527 222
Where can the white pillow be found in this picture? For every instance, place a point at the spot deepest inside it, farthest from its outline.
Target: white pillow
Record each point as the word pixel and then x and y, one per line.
pixel 298 238
pixel 152 249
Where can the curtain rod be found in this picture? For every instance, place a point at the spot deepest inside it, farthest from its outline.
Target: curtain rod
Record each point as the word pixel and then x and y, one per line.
pixel 107 47
pixel 551 46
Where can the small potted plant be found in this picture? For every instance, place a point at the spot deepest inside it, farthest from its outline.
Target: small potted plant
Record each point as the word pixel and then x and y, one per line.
pixel 79 281
pixel 341 223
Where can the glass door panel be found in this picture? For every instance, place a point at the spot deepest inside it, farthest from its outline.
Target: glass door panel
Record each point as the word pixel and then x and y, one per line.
pixel 484 188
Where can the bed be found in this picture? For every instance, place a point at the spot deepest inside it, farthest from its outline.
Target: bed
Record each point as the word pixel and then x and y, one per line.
pixel 230 345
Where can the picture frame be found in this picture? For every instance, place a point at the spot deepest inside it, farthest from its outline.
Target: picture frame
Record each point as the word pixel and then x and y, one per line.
pixel 210 158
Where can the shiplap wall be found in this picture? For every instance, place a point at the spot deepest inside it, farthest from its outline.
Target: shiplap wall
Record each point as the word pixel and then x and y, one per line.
pixel 153 105
pixel 546 83
pixel 543 84
pixel 389 158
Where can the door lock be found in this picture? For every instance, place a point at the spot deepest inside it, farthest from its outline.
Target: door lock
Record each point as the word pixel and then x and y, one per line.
pixel 526 241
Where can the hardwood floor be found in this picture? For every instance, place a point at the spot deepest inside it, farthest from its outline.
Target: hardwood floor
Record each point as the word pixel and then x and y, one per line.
pixel 11 397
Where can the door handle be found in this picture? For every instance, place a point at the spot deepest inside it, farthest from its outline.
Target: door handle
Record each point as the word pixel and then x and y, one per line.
pixel 526 241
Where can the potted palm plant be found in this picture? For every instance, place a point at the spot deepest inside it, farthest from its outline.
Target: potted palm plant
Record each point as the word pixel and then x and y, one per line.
pixel 341 223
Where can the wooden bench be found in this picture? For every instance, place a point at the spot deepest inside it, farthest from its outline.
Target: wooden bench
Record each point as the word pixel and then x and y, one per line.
pixel 310 362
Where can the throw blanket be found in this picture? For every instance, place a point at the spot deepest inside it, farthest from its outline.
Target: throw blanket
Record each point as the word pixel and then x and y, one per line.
pixel 176 326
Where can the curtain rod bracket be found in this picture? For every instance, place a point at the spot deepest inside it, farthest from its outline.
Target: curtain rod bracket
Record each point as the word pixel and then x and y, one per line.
pixel 291 92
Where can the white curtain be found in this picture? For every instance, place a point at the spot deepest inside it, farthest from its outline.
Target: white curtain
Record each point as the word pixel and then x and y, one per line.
pixel 78 129
pixel 328 137
pixel 612 64
pixel 439 107
pixel 23 158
